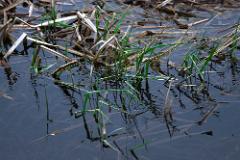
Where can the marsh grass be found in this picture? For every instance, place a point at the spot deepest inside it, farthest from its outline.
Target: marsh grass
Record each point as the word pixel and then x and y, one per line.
pixel 117 64
pixel 194 63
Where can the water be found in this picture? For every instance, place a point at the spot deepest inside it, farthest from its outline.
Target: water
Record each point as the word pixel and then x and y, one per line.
pixel 37 117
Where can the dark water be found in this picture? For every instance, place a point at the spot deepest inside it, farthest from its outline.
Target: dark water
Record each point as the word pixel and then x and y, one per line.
pixel 37 120
pixel 25 122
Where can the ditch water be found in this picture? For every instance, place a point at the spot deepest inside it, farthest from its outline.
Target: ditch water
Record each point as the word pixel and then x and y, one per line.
pixel 39 120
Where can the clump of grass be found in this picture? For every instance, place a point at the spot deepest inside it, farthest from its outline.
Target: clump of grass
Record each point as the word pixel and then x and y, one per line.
pixel 195 63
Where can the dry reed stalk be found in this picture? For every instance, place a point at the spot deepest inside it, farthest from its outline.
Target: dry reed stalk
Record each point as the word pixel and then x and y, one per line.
pixel 56 53
pixel 15 45
pixel 164 3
